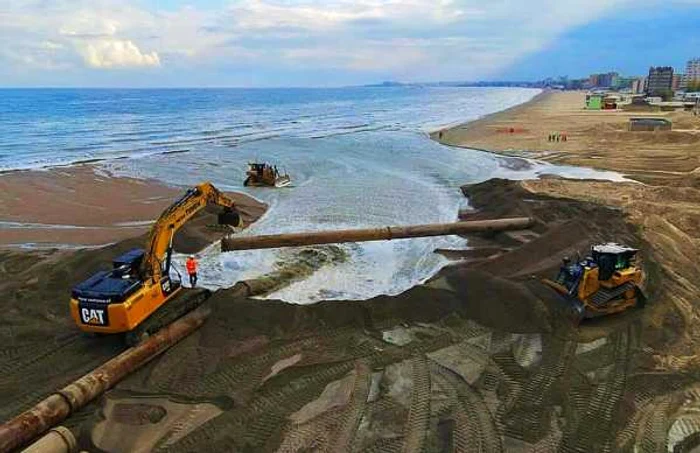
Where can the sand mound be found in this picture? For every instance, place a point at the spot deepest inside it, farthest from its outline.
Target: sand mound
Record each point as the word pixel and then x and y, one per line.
pixel 488 363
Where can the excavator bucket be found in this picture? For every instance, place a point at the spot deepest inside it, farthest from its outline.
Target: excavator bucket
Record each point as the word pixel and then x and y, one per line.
pixel 230 217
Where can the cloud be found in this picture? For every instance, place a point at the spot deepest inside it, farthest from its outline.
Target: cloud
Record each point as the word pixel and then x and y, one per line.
pixel 402 39
pixel 114 53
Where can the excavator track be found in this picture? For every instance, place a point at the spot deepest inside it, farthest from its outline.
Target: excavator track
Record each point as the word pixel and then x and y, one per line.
pixel 182 303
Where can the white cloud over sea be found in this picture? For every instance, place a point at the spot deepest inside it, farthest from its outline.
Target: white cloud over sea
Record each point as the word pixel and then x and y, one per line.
pixel 249 42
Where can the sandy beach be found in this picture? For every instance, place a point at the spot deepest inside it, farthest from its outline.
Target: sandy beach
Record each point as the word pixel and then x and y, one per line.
pixel 597 139
pixel 83 205
pixel 665 207
pixel 478 358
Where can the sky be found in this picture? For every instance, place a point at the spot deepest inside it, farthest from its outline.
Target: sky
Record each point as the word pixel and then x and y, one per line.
pixel 282 43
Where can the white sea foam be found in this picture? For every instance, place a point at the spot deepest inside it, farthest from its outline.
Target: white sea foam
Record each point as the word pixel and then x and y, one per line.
pixel 357 159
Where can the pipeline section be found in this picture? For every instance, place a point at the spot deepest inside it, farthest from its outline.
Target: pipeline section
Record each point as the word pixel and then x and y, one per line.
pixel 232 243
pixel 60 405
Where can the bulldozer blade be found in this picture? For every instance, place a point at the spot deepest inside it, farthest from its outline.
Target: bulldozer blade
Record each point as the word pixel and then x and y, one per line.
pixel 574 310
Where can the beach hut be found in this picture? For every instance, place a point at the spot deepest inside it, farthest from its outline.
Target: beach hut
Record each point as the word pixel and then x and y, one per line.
pixel 594 102
pixel 650 124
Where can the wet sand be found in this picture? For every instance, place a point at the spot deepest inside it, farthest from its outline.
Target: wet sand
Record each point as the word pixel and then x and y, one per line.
pixel 82 205
pixel 479 358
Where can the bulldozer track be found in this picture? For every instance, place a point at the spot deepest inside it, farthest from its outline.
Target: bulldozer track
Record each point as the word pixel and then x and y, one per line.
pixel 19 358
pixel 199 362
pixel 526 418
pixel 654 426
pixel 651 395
pixel 419 412
pixel 241 375
pixel 386 446
pixel 68 358
pixel 334 430
pixel 344 440
pixel 433 344
pixel 595 429
pixel 513 376
pixel 265 415
pixel 167 374
pixel 315 435
pixel 475 429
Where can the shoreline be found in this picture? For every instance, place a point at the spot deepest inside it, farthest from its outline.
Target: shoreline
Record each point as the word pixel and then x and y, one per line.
pixel 594 139
pixel 661 200
pixel 484 328
pixel 83 205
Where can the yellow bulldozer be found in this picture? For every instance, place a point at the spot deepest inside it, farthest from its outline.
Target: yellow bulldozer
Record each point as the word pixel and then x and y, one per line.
pixel 263 174
pixel 605 282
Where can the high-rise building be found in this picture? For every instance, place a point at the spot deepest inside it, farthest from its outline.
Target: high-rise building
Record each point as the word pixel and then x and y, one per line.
pixel 639 85
pixel 603 80
pixel 607 80
pixel 593 80
pixel 692 73
pixel 660 81
pixel 677 82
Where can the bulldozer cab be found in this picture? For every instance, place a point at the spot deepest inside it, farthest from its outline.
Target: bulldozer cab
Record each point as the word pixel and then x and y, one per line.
pixel 612 257
pixel 608 258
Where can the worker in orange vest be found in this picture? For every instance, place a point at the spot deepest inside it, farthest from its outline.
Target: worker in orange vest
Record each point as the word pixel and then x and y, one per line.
pixel 191 265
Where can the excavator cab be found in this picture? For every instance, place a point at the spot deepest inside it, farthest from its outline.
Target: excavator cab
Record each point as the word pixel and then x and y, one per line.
pixel 131 297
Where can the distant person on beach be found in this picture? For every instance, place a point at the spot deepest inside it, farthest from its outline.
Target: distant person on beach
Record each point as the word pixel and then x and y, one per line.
pixel 191 265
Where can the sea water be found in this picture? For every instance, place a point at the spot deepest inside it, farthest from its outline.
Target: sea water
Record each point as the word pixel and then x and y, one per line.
pixel 358 157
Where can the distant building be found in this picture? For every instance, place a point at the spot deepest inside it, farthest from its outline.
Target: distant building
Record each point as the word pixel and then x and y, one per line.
pixel 603 80
pixel 608 80
pixel 639 85
pixel 677 82
pixel 692 73
pixel 623 83
pixel 660 81
pixel 592 81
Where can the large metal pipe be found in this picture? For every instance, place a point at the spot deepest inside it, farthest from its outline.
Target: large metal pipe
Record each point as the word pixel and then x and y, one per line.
pixel 58 440
pixel 231 243
pixel 58 406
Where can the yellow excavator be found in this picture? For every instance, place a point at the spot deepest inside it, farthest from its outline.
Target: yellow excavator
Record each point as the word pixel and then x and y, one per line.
pixel 137 296
pixel 606 282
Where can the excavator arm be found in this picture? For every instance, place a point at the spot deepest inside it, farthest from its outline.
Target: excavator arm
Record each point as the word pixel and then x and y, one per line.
pixel 156 260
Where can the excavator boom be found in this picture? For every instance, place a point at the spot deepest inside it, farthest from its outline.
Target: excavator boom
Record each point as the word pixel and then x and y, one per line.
pixel 161 235
pixel 132 297
pixel 139 284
